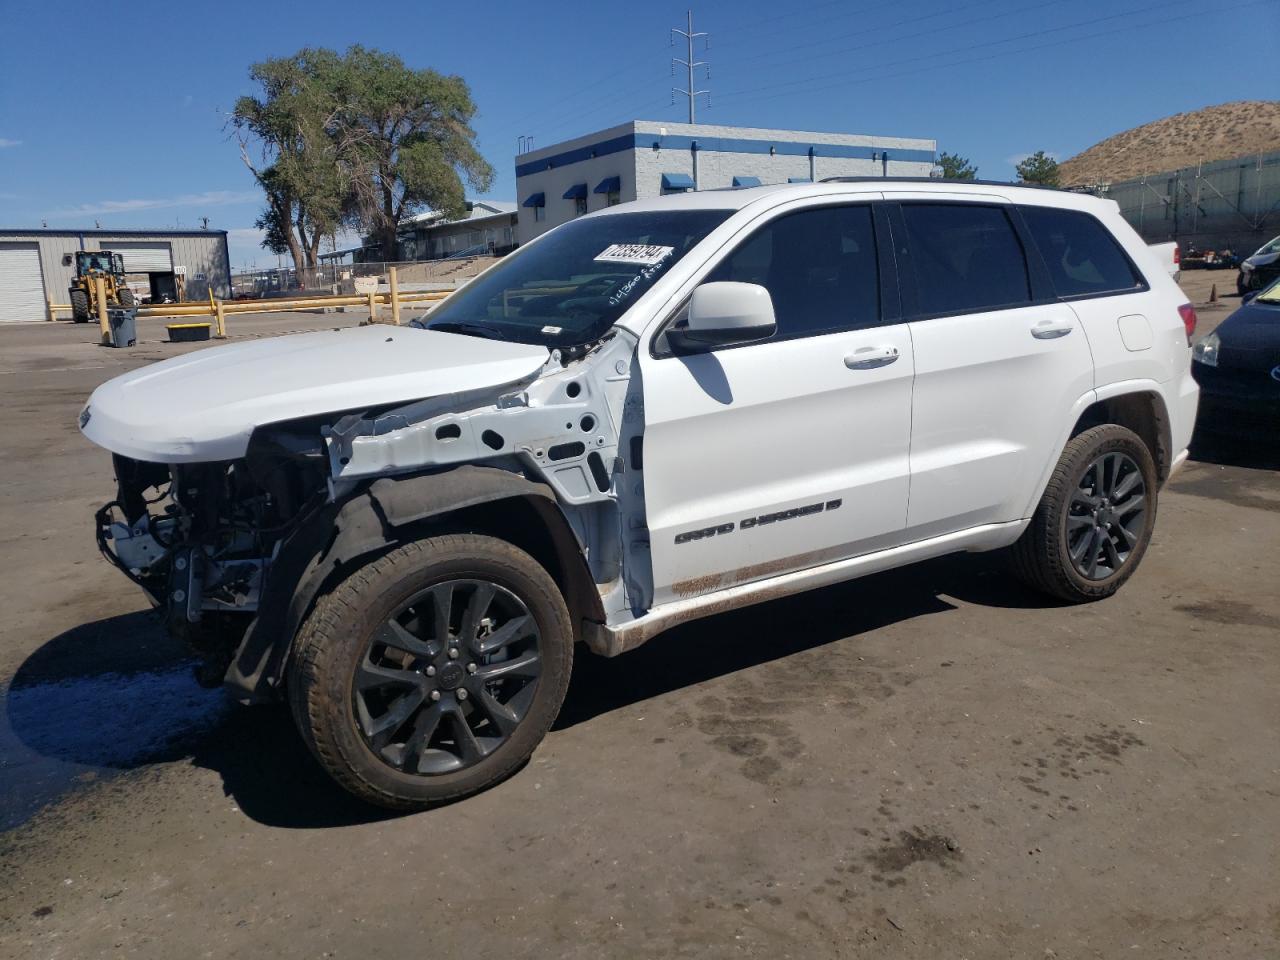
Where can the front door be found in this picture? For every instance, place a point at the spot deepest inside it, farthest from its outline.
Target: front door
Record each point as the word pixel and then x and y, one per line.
pixel 775 456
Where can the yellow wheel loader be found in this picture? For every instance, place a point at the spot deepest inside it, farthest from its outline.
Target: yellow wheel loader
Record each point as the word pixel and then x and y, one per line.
pixel 91 264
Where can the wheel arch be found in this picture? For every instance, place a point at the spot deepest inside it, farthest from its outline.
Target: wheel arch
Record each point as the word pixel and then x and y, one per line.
pixel 1141 410
pixel 391 511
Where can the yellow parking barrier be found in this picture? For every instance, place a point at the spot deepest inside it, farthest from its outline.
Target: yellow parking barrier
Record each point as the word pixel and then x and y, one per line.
pixel 100 288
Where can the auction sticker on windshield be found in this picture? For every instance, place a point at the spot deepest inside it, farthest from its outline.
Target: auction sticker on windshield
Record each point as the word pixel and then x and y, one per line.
pixel 644 254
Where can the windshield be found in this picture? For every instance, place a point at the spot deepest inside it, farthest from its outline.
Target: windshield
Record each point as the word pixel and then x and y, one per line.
pixel 570 288
pixel 1270 295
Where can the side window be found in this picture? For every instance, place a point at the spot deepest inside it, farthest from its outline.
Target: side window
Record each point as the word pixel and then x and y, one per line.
pixel 819 267
pixel 967 257
pixel 1082 256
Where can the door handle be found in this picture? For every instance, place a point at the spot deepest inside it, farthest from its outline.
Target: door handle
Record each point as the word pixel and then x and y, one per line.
pixel 868 358
pixel 1051 329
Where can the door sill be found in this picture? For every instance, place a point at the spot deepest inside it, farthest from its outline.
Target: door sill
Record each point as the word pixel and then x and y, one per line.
pixel 613 639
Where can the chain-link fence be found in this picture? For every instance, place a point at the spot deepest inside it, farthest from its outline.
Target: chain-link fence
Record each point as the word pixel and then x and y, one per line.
pixel 350 278
pixel 1233 203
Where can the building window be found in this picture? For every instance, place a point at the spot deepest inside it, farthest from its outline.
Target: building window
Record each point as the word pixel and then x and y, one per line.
pixel 475 238
pixel 579 206
pixel 613 198
pixel 539 214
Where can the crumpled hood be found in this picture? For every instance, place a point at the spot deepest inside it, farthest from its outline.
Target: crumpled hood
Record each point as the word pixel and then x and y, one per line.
pixel 203 406
pixel 1262 259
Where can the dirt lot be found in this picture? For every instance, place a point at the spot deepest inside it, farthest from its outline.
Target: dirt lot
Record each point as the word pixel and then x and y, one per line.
pixel 927 763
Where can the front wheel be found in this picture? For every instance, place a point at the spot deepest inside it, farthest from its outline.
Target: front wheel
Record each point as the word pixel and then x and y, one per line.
pixel 432 672
pixel 1095 519
pixel 126 297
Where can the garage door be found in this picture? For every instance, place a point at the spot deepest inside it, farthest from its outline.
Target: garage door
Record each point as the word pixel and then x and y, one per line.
pixel 21 287
pixel 142 257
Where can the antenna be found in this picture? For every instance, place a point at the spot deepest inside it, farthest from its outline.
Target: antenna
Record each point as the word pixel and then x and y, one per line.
pixel 691 65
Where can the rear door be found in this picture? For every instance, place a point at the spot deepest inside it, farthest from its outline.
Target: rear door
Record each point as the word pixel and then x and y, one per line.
pixel 770 457
pixel 1000 363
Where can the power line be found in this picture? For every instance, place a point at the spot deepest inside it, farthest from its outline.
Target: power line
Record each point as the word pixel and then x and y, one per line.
pixel 693 93
pixel 1164 5
pixel 997 56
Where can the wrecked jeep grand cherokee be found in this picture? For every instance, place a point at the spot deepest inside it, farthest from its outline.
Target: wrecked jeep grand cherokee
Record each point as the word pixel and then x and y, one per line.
pixel 649 414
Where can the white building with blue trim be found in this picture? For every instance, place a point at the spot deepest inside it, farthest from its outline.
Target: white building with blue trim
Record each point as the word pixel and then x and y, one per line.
pixel 646 158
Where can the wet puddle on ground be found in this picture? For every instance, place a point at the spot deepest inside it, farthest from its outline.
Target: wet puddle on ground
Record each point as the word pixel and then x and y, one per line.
pixel 56 735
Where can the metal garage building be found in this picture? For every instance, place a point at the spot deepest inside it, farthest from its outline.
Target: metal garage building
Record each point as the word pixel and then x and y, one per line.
pixel 32 271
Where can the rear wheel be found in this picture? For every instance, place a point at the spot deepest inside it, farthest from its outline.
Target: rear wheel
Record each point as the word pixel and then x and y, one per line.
pixel 1094 522
pixel 432 672
pixel 79 306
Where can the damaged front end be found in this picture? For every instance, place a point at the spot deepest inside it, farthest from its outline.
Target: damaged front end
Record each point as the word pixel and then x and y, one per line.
pixel 199 538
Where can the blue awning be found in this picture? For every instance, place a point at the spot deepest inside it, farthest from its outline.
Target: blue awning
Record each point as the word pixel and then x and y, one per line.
pixel 746 181
pixel 609 185
pixel 798 180
pixel 677 181
pixel 577 192
pixel 536 200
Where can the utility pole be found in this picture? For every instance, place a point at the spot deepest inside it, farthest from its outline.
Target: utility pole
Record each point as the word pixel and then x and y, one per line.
pixel 691 65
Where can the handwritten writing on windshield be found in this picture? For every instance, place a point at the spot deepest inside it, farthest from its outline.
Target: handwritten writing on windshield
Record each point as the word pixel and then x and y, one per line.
pixel 654 258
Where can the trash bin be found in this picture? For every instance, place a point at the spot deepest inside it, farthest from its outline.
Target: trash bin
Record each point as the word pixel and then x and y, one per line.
pixel 124 331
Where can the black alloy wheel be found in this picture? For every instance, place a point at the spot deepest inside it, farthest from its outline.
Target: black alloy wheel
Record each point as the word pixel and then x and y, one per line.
pixel 1107 515
pixel 448 678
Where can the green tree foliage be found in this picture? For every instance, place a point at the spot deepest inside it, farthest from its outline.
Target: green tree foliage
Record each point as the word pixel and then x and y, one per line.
pixel 406 141
pixel 955 167
pixel 1039 168
pixel 306 187
pixel 357 138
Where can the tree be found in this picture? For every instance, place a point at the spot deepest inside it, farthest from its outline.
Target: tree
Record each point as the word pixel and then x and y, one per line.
pixel 955 167
pixel 405 140
pixel 305 185
pixel 1039 168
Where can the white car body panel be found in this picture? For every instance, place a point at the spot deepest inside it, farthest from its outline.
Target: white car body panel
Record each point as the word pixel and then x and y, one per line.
pixel 948 447
pixel 989 401
pixel 203 406
pixel 771 427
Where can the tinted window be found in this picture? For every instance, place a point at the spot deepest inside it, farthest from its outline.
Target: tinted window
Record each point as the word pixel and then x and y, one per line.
pixel 819 267
pixel 1081 254
pixel 573 286
pixel 966 257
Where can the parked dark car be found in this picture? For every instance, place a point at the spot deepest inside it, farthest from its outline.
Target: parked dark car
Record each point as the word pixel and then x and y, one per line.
pixel 1259 270
pixel 1238 364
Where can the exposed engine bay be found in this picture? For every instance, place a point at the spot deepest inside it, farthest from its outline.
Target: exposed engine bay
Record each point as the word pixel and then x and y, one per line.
pixel 216 544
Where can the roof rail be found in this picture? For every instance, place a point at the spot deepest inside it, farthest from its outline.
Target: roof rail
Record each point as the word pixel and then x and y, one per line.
pixel 982 183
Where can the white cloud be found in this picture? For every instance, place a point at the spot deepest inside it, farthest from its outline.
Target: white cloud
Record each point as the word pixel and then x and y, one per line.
pixel 5 142
pixel 210 198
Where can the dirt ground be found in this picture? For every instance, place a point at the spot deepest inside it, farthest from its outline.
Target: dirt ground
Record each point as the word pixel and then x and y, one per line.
pixel 927 763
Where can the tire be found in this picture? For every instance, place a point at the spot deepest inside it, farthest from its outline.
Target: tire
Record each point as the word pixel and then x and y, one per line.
pixel 79 306
pixel 365 729
pixel 1053 555
pixel 1241 287
pixel 125 295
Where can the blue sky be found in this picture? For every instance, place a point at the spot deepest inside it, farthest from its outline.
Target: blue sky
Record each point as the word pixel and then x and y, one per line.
pixel 991 80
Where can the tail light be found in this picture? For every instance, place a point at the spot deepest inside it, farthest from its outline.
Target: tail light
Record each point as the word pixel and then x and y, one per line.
pixel 1177 255
pixel 1188 314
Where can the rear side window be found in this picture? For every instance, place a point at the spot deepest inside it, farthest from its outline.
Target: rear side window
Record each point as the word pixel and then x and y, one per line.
pixel 1083 258
pixel 819 267
pixel 967 257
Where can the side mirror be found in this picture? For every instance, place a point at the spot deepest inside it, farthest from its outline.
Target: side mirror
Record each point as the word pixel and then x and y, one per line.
pixel 66 259
pixel 725 313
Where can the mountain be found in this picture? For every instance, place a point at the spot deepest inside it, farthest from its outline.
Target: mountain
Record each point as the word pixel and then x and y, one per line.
pixel 1183 140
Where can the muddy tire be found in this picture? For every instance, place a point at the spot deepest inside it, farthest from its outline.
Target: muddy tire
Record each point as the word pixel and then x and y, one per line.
pixel 79 306
pixel 432 672
pixel 126 298
pixel 1094 522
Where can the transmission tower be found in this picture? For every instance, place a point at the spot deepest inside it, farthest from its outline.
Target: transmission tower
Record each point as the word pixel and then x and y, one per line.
pixel 691 65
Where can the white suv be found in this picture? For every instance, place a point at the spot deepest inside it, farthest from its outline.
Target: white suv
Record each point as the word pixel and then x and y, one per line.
pixel 650 414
